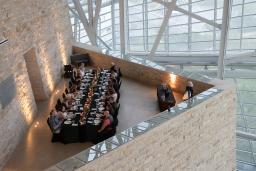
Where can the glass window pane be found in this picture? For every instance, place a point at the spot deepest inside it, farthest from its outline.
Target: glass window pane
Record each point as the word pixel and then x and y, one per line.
pixel 202 36
pixel 249 21
pixel 249 109
pixel 243 144
pixel 249 8
pixel 199 46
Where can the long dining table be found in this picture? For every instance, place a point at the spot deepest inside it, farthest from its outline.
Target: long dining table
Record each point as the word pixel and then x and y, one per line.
pixel 91 94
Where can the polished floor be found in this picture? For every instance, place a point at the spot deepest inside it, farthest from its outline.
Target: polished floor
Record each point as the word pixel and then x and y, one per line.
pixel 36 152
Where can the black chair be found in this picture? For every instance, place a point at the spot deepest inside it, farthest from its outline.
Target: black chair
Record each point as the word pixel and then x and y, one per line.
pixel 58 106
pixel 73 81
pixel 116 111
pixel 118 97
pixel 70 84
pixel 106 133
pixel 59 102
pixel 115 123
pixel 63 96
pixel 66 91
pixel 119 84
pixel 67 68
pixel 67 71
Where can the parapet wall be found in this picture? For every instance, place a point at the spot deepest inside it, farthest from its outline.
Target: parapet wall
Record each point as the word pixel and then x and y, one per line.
pixel 202 138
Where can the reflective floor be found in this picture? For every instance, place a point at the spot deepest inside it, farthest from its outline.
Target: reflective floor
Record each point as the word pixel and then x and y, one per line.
pixel 36 152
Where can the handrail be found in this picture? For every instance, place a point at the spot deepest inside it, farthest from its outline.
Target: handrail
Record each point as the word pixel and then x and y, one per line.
pixel 246 135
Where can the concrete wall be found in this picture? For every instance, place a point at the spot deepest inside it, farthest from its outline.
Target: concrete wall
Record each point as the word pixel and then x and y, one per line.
pixel 202 138
pixel 141 73
pixel 30 24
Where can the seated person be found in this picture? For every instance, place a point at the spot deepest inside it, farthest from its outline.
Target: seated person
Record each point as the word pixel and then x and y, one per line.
pixel 165 96
pixel 68 100
pixel 82 67
pixel 112 93
pixel 75 76
pixel 108 120
pixel 114 74
pixel 64 111
pixel 55 121
pixel 110 109
pixel 113 81
pixel 80 73
pixel 111 85
pixel 112 103
pixel 116 69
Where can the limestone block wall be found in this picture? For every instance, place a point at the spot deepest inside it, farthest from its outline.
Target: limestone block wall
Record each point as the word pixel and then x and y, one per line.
pixel 141 73
pixel 201 138
pixel 30 24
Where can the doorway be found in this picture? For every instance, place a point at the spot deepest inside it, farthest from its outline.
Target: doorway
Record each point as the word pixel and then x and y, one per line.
pixel 35 76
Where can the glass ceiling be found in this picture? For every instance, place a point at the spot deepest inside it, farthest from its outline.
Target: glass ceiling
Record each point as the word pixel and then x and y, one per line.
pixel 183 33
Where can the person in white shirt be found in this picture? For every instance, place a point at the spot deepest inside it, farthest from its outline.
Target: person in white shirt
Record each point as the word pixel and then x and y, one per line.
pixel 113 94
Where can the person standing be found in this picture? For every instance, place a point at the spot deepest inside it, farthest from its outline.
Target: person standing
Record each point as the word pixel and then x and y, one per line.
pixel 189 92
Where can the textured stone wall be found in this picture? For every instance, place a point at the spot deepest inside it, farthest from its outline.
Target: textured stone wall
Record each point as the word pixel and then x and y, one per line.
pixel 142 73
pixel 202 138
pixel 42 25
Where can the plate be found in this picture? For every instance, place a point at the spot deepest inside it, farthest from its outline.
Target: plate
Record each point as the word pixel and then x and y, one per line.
pixel 98 115
pixel 82 123
pixel 101 108
pixel 67 122
pixel 96 121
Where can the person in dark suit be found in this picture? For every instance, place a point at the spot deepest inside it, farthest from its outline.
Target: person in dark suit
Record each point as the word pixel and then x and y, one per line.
pixel 165 96
pixel 189 92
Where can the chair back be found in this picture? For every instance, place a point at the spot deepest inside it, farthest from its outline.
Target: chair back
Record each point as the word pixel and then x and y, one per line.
pixel 69 84
pixel 119 84
pixel 67 68
pixel 116 111
pixel 59 101
pixel 48 122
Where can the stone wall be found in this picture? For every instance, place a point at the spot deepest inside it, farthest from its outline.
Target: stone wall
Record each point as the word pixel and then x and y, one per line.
pixel 30 24
pixel 141 73
pixel 201 138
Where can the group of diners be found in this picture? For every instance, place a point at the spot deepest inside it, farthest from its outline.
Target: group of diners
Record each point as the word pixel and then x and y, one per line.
pixel 89 106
